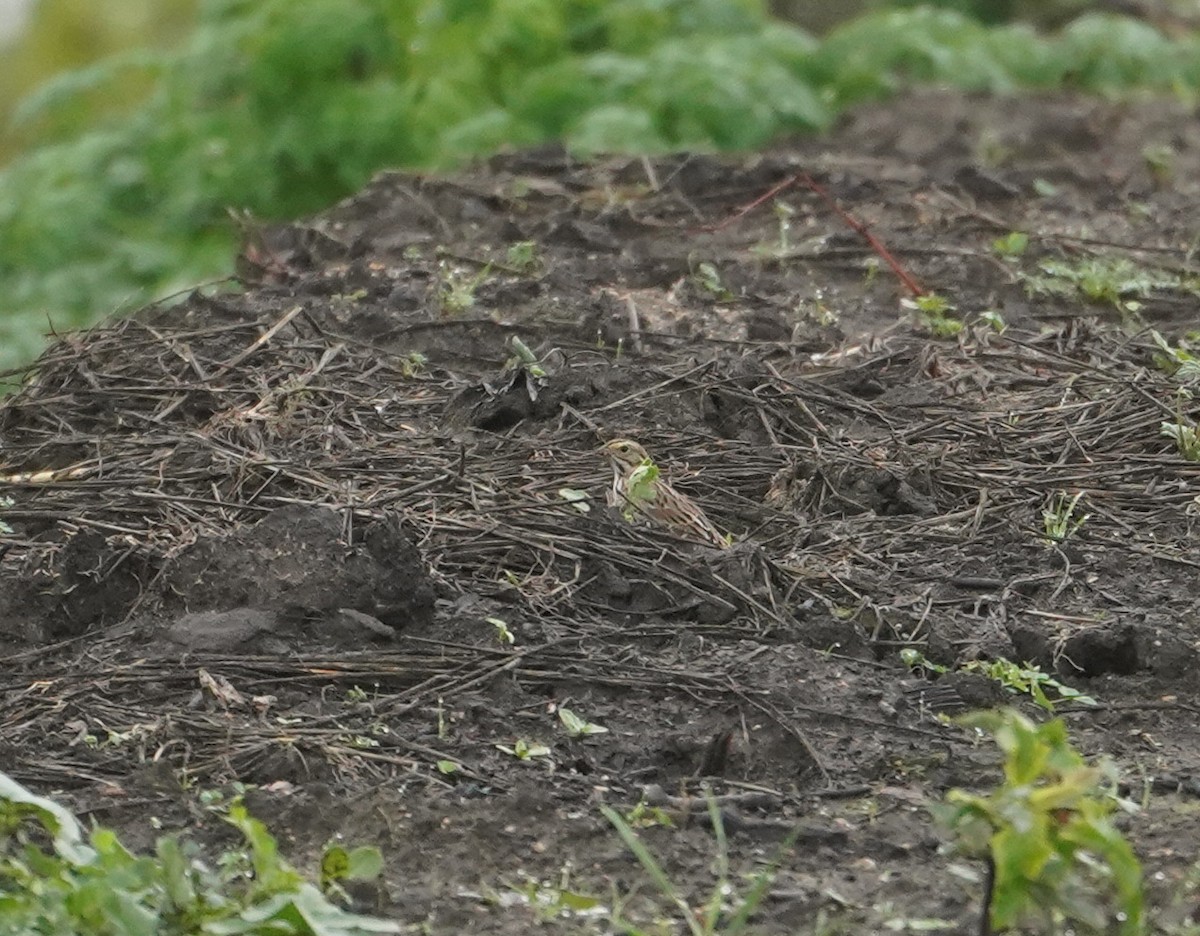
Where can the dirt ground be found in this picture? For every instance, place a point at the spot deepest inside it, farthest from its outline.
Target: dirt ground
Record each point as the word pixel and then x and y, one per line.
pixel 264 536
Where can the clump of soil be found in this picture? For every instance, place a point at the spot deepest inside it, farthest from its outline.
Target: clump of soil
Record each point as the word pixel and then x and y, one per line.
pixel 322 534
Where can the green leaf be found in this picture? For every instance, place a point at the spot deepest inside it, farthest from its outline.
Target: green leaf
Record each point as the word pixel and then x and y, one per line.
pixel 18 804
pixel 366 863
pixel 576 498
pixel 503 634
pixel 577 727
pixel 335 865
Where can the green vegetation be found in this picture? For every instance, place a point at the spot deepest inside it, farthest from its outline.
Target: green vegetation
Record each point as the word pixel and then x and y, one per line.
pixel 724 911
pixel 1178 361
pixel 707 277
pixel 524 750
pixel 932 313
pixel 281 108
pixel 1114 281
pixel 1046 834
pixel 1186 438
pixel 1012 245
pixel 457 292
pixel 1015 678
pixel 577 727
pixel 641 490
pixel 1059 520
pixel 70 34
pixel 54 882
pixel 504 635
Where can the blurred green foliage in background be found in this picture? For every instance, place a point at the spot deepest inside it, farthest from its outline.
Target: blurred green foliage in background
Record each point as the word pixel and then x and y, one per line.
pixel 282 107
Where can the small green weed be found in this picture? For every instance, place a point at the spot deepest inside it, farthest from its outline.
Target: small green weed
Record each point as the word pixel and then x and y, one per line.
pixel 524 750
pixel 933 314
pixel 1177 361
pixel 723 912
pixel 577 727
pixel 555 902
pixel 645 816
pixel 504 634
pixel 1015 678
pixel 457 292
pixel 994 320
pixel 1011 245
pixel 413 363
pixel 340 865
pixel 99 886
pixel 523 356
pixel 523 257
pixel 576 498
pixel 708 278
pixel 1186 438
pixel 1115 281
pixel 1053 854
pixel 1059 520
pixel 782 244
pixel 783 217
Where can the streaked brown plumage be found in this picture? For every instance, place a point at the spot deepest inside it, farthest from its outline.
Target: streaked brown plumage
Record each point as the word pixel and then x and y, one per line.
pixel 657 502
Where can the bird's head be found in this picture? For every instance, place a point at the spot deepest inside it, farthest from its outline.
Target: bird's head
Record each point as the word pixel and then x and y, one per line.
pixel 625 453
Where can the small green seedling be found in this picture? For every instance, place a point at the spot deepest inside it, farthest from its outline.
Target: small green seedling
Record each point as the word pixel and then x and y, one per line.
pixel 503 634
pixel 871 268
pixel 413 363
pixel 524 750
pixel 522 257
pixel 723 912
pixel 1176 360
pixel 1015 678
pixel 783 233
pixel 1185 437
pixel 458 288
pixel 522 356
pixel 645 816
pixel 576 498
pixel 1011 245
pixel 1059 520
pixel 577 727
pixel 338 864
pixel 1054 857
pixel 443 725
pixel 708 278
pixel 994 320
pixel 933 314
pixel 783 215
pixel 555 903
pixel 1115 281
pixel 448 768
pixel 1028 680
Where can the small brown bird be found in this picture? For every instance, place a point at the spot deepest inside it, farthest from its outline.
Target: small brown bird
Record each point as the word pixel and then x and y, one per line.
pixel 638 490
